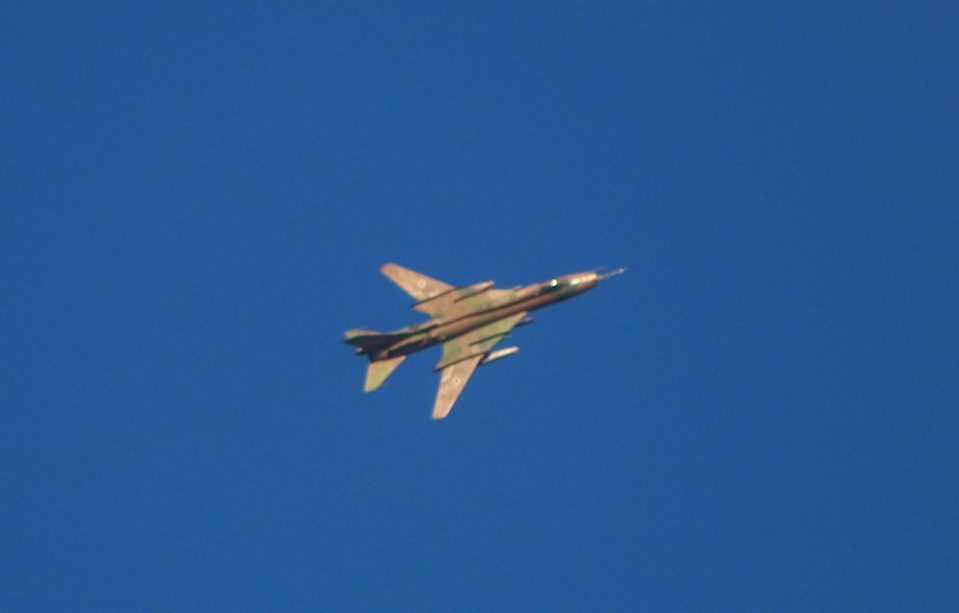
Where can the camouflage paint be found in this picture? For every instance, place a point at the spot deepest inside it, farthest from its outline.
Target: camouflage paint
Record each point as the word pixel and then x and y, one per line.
pixel 468 321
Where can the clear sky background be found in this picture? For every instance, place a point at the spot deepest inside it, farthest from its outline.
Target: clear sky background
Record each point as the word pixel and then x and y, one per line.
pixel 760 415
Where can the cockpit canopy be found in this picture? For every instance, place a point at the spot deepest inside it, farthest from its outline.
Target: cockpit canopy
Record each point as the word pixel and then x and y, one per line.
pixel 553 285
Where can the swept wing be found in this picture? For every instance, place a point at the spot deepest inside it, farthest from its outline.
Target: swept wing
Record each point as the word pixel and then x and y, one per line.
pixel 417 285
pixel 462 355
pixel 441 300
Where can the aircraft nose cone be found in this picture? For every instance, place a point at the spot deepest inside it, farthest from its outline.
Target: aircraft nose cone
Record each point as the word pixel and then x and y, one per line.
pixel 583 280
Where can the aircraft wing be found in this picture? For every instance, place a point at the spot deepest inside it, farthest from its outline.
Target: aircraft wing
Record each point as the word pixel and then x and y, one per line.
pixel 462 300
pixel 452 382
pixel 417 285
pixel 462 355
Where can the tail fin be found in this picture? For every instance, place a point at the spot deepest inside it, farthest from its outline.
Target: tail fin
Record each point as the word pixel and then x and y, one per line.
pixel 377 372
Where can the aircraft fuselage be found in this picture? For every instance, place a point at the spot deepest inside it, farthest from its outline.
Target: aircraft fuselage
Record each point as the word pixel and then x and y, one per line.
pixel 468 321
pixel 529 298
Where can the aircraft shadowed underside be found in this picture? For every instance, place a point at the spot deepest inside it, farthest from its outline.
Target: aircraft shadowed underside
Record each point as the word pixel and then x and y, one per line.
pixel 467 321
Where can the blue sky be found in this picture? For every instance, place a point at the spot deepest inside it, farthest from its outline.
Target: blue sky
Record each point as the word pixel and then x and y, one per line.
pixel 760 415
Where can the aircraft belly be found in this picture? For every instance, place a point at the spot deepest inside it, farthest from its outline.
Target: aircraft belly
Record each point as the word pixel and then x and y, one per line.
pixel 444 332
pixel 440 332
pixel 467 321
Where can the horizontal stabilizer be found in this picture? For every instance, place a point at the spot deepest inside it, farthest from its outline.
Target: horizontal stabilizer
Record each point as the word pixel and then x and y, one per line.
pixel 377 372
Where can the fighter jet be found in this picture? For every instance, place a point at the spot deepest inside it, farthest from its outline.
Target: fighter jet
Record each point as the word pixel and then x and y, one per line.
pixel 467 321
